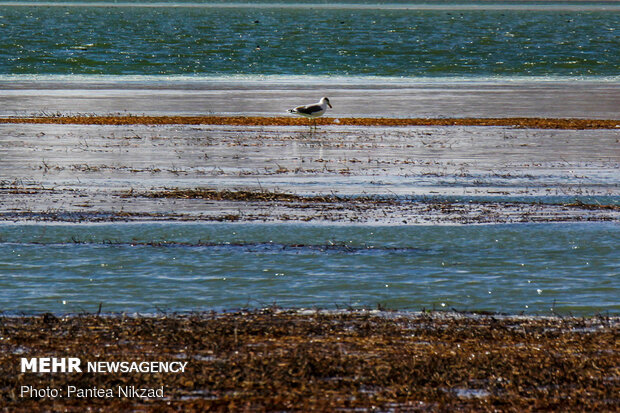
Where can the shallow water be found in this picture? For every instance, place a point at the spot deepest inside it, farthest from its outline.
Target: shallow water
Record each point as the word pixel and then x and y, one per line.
pixel 597 97
pixel 413 161
pixel 192 267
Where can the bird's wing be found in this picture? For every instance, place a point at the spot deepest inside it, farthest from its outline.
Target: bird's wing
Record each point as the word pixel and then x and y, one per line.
pixel 308 110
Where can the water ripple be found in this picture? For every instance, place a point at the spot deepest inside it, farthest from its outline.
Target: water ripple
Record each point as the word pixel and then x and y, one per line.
pixel 129 267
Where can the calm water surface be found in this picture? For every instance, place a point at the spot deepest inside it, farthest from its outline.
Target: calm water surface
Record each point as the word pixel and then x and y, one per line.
pixel 183 267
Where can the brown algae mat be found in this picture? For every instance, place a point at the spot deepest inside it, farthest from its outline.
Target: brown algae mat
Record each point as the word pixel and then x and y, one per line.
pixel 277 360
pixel 533 123
pixel 269 196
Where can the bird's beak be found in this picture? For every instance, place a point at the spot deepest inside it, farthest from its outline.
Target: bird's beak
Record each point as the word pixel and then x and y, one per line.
pixel 330 105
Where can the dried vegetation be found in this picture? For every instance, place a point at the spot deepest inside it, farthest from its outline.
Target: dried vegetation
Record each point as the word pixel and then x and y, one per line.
pixel 533 123
pixel 274 360
pixel 212 194
pixel 246 196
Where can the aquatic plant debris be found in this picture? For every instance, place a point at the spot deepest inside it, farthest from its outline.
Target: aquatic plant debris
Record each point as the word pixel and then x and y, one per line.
pixel 312 360
pixel 533 123
pixel 268 196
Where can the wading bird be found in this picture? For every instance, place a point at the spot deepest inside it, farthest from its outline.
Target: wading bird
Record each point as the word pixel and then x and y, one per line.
pixel 312 111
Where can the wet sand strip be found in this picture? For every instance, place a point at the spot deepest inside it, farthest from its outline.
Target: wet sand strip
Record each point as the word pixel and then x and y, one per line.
pixel 530 123
pixel 276 360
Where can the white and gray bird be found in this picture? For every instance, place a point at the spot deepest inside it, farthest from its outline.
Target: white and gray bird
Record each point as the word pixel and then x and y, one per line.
pixel 312 111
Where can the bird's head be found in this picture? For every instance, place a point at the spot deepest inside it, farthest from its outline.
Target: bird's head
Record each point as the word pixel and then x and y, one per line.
pixel 325 100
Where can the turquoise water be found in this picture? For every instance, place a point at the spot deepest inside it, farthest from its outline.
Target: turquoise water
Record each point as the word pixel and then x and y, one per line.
pixel 296 39
pixel 570 268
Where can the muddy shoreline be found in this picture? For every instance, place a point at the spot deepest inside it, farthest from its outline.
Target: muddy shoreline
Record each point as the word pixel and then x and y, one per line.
pixel 310 360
